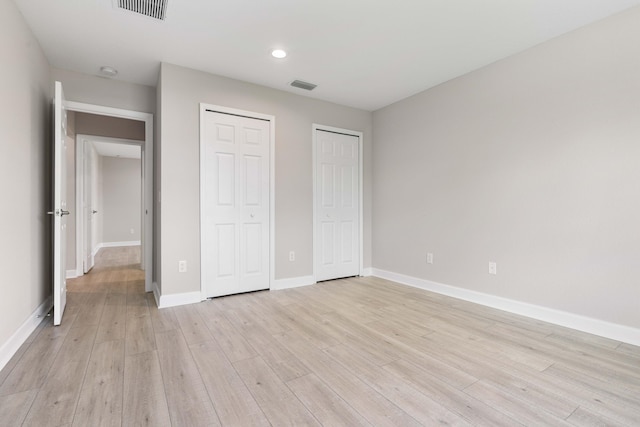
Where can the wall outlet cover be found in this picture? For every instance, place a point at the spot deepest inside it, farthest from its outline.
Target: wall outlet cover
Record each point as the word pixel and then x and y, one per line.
pixel 493 268
pixel 182 266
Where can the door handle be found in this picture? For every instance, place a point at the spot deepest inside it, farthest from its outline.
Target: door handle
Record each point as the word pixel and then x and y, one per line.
pixel 58 212
pixel 94 212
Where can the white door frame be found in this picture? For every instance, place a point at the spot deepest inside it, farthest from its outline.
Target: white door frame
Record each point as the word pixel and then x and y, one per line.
pixel 147 178
pixel 316 238
pixel 272 143
pixel 81 141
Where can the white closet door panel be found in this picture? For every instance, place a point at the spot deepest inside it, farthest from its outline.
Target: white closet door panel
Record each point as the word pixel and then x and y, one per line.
pixel 327 185
pixel 346 241
pixel 225 177
pixel 348 183
pixel 252 239
pixel 236 204
pixel 225 250
pixel 252 181
pixel 337 213
pixel 327 237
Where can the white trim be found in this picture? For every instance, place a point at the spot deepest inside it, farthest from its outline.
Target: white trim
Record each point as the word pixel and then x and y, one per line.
pixel 118 244
pixel 20 336
pixel 147 176
pixel 367 272
pixel 293 282
pixel 174 300
pixel 589 325
pixel 272 184
pixel 79 217
pixel 314 128
pixel 99 246
pixel 156 293
pixel 72 274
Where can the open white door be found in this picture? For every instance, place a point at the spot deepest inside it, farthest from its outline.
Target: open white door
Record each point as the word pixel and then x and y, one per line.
pixel 59 206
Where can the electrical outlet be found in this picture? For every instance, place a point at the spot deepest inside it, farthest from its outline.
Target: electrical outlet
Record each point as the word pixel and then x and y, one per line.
pixel 132 231
pixel 182 266
pixel 493 268
pixel 292 256
pixel 429 258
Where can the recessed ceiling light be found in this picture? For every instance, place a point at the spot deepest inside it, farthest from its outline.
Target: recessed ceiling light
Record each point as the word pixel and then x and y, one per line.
pixel 278 53
pixel 108 71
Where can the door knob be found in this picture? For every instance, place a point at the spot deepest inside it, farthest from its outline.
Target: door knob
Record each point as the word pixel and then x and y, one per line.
pixel 63 212
pixel 94 212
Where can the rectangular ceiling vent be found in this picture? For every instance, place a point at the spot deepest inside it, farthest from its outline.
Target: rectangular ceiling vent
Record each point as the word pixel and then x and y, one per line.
pixel 156 9
pixel 303 85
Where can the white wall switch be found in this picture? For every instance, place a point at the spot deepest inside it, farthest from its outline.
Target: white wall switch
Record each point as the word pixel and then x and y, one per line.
pixel 493 268
pixel 182 266
pixel 429 258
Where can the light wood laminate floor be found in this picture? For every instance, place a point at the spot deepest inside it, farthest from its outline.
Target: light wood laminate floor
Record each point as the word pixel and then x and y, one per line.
pixel 360 351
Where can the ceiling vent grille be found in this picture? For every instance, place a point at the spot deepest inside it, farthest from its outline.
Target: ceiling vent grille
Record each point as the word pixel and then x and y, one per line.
pixel 156 9
pixel 303 85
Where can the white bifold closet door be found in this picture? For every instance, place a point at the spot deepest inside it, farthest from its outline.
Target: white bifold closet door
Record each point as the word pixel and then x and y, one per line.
pixel 337 216
pixel 235 194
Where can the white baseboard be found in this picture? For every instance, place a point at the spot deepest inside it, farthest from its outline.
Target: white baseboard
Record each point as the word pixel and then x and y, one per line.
pixel 173 300
pixel 99 246
pixel 12 345
pixel 366 272
pixel 293 282
pixel 117 244
pixel 156 292
pixel 72 274
pixel 590 325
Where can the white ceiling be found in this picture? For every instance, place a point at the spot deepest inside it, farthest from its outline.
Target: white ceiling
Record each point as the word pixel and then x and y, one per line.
pixel 360 53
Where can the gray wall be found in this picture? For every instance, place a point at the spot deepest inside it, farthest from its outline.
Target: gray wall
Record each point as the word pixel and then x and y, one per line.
pixel 112 127
pixel 532 162
pixel 25 173
pixel 121 199
pixel 106 92
pixel 181 91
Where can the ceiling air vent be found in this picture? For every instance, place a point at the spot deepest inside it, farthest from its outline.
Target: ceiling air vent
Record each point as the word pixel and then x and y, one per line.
pixel 303 85
pixel 156 9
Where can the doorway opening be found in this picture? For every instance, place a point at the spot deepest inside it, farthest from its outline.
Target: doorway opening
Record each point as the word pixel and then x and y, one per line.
pixel 108 197
pixel 127 138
